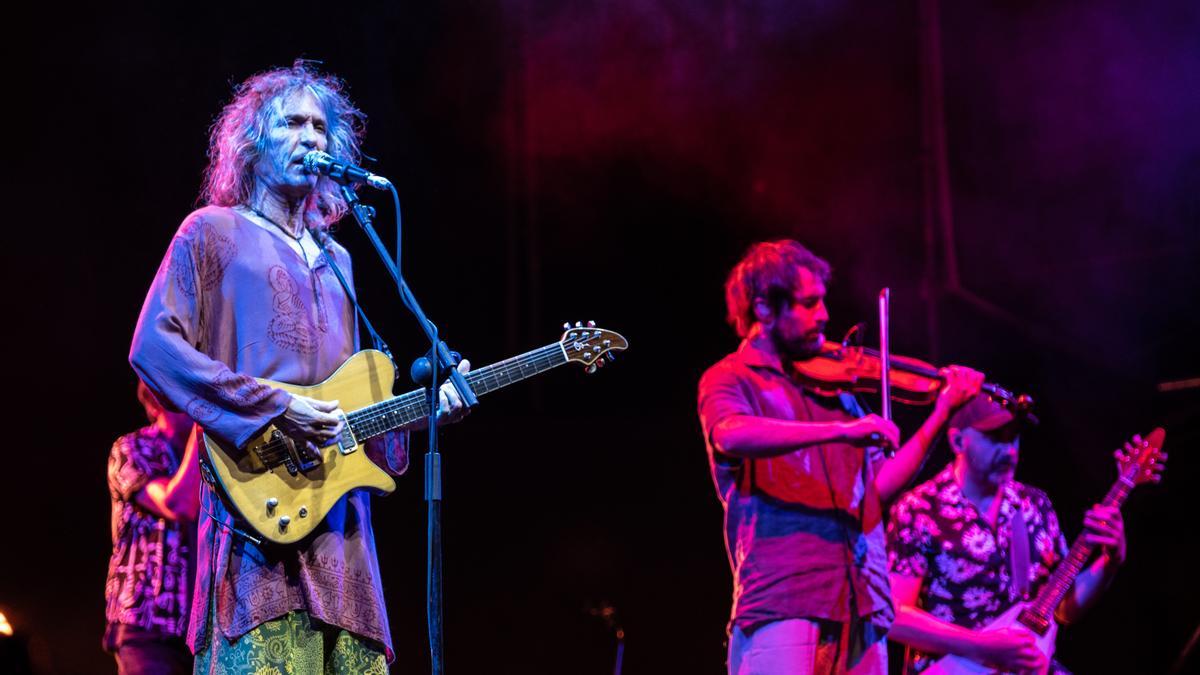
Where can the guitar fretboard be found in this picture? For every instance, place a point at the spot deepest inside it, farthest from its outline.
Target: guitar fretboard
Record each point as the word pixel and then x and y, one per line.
pixel 1041 611
pixel 395 412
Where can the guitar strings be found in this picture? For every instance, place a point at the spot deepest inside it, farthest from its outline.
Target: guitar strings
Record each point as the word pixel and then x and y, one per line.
pixel 377 418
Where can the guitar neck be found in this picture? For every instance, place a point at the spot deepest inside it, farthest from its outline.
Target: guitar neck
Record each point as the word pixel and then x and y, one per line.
pixel 394 413
pixel 1041 611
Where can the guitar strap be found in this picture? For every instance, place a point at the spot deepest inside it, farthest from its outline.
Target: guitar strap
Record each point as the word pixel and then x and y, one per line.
pixel 1019 552
pixel 320 237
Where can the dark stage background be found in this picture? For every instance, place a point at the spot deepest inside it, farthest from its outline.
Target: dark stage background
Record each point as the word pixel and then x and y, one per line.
pixel 610 161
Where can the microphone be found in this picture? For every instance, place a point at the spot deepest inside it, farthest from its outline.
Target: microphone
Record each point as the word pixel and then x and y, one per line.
pixel 322 164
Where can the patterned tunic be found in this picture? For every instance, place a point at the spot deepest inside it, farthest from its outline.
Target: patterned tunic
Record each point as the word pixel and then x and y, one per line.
pixel 233 301
pixel 935 533
pixel 149 584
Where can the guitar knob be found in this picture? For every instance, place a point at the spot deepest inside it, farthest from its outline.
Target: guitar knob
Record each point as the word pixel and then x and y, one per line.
pixel 283 522
pixel 271 504
pixel 303 512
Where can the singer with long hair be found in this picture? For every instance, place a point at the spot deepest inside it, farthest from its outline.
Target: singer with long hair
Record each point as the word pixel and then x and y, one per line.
pixel 245 291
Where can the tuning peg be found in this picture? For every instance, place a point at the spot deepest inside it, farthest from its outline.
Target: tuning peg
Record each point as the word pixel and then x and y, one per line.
pixel 591 324
pixel 590 369
pixel 566 325
pixel 579 324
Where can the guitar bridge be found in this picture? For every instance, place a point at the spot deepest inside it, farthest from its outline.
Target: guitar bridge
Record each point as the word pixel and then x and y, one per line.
pixel 346 442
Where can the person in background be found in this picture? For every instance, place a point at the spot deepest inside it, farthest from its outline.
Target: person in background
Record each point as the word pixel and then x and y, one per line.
pixel 154 484
pixel 953 547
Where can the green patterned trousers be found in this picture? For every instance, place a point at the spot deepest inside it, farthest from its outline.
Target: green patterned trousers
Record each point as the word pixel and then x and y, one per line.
pixel 293 644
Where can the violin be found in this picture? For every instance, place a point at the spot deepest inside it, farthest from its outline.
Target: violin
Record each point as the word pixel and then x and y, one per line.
pixel 840 367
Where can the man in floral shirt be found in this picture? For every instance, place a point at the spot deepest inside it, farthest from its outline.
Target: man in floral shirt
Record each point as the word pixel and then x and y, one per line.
pixel 154 482
pixel 950 543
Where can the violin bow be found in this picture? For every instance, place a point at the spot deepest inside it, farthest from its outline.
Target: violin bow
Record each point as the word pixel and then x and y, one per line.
pixel 885 361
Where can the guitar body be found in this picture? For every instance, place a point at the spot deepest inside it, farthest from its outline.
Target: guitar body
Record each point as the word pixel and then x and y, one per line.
pixel 304 498
pixel 952 664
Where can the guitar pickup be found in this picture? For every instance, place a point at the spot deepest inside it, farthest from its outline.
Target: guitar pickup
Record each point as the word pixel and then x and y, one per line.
pixel 295 459
pixel 346 442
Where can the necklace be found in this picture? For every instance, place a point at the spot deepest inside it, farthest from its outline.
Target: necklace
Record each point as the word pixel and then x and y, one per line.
pixel 295 237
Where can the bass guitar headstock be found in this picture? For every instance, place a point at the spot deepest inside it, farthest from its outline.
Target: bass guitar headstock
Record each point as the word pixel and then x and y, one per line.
pixel 1142 460
pixel 590 345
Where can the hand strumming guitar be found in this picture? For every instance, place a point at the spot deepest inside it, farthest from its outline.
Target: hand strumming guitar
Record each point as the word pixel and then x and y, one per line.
pixel 315 423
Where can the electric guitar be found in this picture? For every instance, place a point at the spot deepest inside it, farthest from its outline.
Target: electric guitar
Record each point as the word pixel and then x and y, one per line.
pixel 1037 617
pixel 283 491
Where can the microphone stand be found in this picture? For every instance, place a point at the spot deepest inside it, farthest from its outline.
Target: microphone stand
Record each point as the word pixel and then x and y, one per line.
pixel 430 368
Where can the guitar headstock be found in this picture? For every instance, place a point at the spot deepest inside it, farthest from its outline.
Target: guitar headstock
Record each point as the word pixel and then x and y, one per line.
pixel 590 345
pixel 1143 462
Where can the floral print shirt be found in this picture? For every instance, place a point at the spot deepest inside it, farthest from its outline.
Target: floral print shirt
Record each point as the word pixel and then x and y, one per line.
pixel 936 533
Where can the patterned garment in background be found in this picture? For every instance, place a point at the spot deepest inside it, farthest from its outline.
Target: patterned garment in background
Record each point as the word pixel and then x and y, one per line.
pixel 935 533
pixel 149 572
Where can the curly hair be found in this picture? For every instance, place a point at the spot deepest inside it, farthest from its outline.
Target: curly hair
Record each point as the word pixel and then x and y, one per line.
pixel 768 271
pixel 239 134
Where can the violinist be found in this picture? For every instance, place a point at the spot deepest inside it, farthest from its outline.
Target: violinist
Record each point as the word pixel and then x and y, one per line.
pixel 802 478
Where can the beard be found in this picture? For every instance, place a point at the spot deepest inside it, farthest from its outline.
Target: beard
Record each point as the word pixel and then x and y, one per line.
pixel 993 471
pixel 797 347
